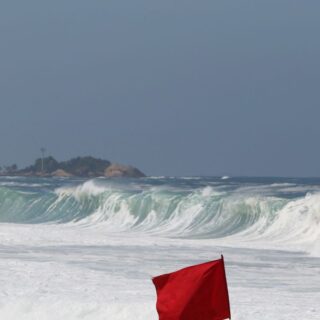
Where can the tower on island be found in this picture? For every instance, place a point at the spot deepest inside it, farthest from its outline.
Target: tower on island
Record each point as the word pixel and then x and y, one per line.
pixel 43 150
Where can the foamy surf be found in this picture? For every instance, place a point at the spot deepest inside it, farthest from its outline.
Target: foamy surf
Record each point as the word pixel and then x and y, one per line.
pixel 246 213
pixel 87 249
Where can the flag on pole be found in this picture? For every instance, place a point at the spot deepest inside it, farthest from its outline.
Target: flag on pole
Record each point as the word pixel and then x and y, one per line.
pixel 198 292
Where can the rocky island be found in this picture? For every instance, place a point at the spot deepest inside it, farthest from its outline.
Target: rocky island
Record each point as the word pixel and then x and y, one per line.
pixel 87 167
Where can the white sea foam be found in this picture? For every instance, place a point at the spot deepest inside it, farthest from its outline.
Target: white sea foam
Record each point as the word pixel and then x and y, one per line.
pixel 248 214
pixel 88 188
pixel 88 251
pixel 56 272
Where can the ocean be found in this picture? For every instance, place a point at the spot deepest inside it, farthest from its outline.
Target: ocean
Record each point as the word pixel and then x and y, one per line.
pixel 87 249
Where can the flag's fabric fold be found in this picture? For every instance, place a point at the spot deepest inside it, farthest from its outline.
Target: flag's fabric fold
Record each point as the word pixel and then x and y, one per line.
pixel 198 292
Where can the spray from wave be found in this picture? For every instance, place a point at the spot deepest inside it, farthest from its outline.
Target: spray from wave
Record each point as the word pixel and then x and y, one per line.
pixel 169 211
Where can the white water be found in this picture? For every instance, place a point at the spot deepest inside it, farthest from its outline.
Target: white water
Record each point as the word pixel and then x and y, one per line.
pixel 69 272
pixel 100 266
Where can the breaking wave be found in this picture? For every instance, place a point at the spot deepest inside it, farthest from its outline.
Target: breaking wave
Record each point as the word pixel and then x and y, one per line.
pixel 204 212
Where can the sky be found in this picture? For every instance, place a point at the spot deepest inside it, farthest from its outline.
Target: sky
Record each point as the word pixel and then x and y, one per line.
pixel 174 87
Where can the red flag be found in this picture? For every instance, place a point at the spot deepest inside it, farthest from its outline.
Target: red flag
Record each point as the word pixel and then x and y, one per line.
pixel 198 292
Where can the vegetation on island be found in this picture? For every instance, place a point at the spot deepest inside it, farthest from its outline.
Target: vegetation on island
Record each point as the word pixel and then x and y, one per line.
pixel 79 167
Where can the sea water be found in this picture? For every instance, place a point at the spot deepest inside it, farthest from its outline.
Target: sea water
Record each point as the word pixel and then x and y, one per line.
pixel 76 249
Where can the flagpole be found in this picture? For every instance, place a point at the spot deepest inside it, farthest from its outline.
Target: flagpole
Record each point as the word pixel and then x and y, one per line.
pixel 224 271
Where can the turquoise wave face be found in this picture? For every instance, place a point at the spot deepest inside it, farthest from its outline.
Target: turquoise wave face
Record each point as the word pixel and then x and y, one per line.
pixel 202 210
pixel 185 208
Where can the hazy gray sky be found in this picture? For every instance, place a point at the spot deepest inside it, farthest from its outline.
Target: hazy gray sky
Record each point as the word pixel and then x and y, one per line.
pixel 175 87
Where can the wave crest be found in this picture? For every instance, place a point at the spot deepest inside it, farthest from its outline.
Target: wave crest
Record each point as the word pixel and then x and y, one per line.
pixel 196 213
